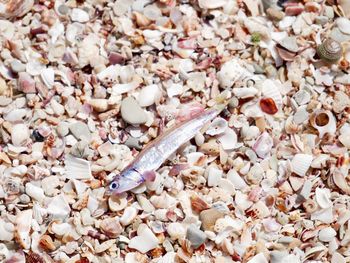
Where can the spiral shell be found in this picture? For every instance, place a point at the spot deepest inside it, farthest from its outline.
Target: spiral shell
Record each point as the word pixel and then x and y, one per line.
pixel 330 50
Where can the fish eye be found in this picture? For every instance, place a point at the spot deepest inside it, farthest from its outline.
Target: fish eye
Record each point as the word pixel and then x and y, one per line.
pixel 114 185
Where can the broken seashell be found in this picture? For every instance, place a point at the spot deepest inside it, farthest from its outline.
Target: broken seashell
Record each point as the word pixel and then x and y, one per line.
pixel 340 181
pixel 6 231
pixel 301 163
pixel 15 8
pixel 330 50
pixel 230 72
pixel 23 224
pixel 324 122
pixel 228 140
pixel 323 196
pixel 263 145
pixel 259 258
pixel 128 216
pixel 48 77
pixel 77 168
pixel 327 234
pixel 149 95
pixel 209 217
pixel 117 202
pixel 46 243
pixel 208 4
pixel 26 83
pixel 144 241
pixel 217 126
pixel 176 231
pixel 20 134
pixel 244 93
pixel 111 227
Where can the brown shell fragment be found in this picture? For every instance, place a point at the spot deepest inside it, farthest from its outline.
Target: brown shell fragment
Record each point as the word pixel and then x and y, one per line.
pixel 198 204
pixel 268 106
pixel 46 243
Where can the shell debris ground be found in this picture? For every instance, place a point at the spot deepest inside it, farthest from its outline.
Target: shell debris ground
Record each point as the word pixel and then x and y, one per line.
pixel 85 85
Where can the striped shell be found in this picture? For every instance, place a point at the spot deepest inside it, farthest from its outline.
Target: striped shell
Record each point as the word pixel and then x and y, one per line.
pixel 330 50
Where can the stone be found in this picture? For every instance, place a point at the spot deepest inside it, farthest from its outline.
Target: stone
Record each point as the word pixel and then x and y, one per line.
pixel 80 130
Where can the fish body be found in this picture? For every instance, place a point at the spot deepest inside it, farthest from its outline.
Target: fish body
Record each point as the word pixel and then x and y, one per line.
pixel 153 155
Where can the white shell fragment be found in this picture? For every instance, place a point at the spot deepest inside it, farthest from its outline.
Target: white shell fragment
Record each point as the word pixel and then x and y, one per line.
pixel 228 139
pixel 217 126
pixel 144 241
pixel 301 163
pixel 77 168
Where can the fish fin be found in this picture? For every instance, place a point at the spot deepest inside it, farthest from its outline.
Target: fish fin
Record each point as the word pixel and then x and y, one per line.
pixel 149 175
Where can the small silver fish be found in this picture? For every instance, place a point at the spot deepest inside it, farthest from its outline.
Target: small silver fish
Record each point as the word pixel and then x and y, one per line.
pixel 153 155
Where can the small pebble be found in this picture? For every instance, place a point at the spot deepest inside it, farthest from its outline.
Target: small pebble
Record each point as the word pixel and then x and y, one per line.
pixel 62 129
pixel 80 130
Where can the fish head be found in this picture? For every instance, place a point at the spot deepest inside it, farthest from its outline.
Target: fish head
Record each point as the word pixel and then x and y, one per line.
pixel 127 180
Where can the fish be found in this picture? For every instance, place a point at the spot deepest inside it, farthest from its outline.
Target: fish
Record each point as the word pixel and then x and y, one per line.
pixel 143 167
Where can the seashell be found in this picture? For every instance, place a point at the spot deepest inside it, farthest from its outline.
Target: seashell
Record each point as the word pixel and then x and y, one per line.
pixel 32 257
pixel 58 207
pixel 263 145
pixel 301 163
pixel 79 15
pixel 340 182
pixel 327 234
pixel 46 243
pixel 270 89
pixel 117 203
pixel 244 93
pixel 218 126
pixel 289 43
pixel 144 241
pixel 228 140
pixel 268 106
pixel 26 83
pixel 176 231
pixel 330 50
pixel 341 101
pixel 19 134
pixel 23 224
pixel 209 217
pixel 259 258
pixel 195 236
pixel 336 257
pixel 48 77
pixel 345 6
pixel 198 204
pixel 344 25
pixel 323 196
pixel 230 72
pixel 111 227
pixel 141 20
pixel 214 176
pixel 6 231
pixel 207 4
pixel 99 105
pixel 149 95
pixel 237 181
pixel 242 201
pixel 211 148
pixel 271 225
pixel 324 122
pixel 35 192
pixel 77 168
pixel 15 8
pixel 163 201
pixel 128 216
